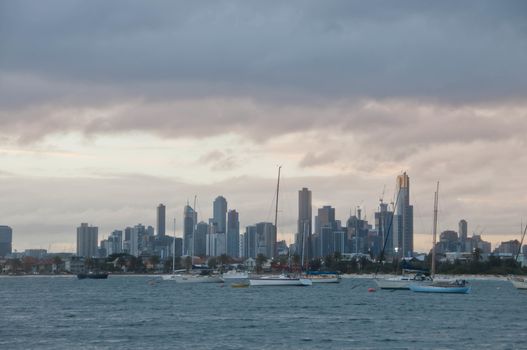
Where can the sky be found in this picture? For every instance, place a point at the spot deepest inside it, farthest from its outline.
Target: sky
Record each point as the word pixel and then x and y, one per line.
pixel 108 108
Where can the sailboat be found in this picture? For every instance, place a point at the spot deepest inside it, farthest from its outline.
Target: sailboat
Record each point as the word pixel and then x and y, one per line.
pixel 519 282
pixel 408 276
pixel 283 279
pixel 180 276
pixel 445 286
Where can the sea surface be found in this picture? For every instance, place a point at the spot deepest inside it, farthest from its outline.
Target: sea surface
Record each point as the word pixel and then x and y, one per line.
pixel 132 312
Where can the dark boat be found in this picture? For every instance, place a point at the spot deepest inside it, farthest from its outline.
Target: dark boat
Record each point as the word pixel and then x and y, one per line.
pixel 97 276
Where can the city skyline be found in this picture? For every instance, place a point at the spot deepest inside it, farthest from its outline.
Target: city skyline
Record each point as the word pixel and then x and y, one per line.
pixel 110 117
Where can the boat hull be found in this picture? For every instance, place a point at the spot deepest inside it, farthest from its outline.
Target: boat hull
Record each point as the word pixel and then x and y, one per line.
pixel 267 282
pixel 332 279
pixel 192 279
pixel 393 283
pixel 439 289
pixel 95 276
pixel 519 284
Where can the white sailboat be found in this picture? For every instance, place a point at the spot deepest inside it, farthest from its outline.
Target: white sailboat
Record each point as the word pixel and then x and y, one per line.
pixel 180 276
pixel 404 281
pixel 444 286
pixel 283 279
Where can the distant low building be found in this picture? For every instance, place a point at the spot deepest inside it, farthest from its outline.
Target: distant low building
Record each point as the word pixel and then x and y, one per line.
pixel 75 265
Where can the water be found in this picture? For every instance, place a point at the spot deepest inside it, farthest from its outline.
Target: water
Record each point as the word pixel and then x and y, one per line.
pixel 128 312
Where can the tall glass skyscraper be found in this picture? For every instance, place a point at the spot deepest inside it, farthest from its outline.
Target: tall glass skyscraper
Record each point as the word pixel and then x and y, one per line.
pixel 6 240
pixel 220 214
pixel 305 221
pixel 161 220
pixel 233 234
pixel 403 238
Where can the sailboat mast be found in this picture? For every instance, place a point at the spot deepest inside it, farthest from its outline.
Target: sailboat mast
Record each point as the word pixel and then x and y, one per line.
pixel 194 227
pixel 303 243
pixel 276 212
pixel 174 250
pixel 521 242
pixel 434 234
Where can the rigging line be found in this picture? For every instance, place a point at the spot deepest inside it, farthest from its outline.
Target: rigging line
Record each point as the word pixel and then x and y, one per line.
pixel 521 242
pixel 387 235
pixel 268 218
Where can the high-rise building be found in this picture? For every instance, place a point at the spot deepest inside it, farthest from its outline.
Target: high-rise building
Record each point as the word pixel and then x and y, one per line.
pixel 189 221
pixel 249 242
pixel 87 239
pixel 266 239
pixel 115 242
pixel 233 234
pixel 384 227
pixel 138 239
pixel 463 230
pixel 6 240
pixel 216 242
pixel 403 238
pixel 305 222
pixel 326 216
pixel 161 220
pixel 220 214
pixel 200 242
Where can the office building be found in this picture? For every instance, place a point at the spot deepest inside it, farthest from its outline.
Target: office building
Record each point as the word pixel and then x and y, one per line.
pixel 305 222
pixel 189 221
pixel 403 237
pixel 249 242
pixel 200 242
pixel 233 234
pixel 463 230
pixel 161 220
pixel 220 214
pixel 87 239
pixel 6 240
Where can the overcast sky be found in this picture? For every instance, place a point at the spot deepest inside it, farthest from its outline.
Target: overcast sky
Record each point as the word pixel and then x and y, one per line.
pixel 108 108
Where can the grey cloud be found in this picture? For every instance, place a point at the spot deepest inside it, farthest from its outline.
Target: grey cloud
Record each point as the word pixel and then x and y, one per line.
pixel 336 48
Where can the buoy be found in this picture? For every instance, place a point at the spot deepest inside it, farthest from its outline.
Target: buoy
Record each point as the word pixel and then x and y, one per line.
pixel 371 290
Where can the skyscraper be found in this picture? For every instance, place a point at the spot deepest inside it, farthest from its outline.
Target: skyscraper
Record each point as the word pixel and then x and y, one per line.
pixel 266 239
pixel 305 221
pixel 403 238
pixel 6 240
pixel 249 242
pixel 384 227
pixel 161 220
pixel 463 230
pixel 189 221
pixel 200 240
pixel 220 214
pixel 233 234
pixel 87 239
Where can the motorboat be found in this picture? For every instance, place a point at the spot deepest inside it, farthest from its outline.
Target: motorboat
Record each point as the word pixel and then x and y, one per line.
pixel 93 275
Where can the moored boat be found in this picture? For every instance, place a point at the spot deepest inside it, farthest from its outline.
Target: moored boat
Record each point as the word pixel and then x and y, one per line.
pixel 518 282
pixel 281 280
pixel 191 278
pixel 445 286
pixel 93 275
pixel 456 286
pixel 323 277
pixel 403 281
pixel 234 276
